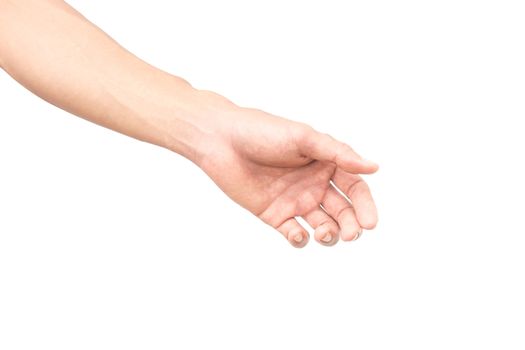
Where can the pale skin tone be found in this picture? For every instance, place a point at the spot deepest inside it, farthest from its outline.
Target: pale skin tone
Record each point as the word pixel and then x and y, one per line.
pixel 276 168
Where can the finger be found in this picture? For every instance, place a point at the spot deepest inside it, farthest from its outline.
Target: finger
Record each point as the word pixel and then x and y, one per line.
pixel 326 229
pixel 294 232
pixel 340 209
pixel 355 188
pixel 324 147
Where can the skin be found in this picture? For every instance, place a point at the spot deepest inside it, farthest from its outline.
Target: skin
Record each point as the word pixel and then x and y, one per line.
pixel 276 168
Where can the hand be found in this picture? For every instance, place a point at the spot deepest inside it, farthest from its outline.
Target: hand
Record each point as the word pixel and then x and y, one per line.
pixel 279 169
pixel 275 168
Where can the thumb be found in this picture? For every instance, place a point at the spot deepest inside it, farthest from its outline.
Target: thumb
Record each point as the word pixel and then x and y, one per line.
pixel 324 147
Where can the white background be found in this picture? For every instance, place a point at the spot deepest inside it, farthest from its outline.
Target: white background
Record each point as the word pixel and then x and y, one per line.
pixel 110 243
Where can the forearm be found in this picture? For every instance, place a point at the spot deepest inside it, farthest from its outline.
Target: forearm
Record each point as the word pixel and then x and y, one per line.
pixel 60 56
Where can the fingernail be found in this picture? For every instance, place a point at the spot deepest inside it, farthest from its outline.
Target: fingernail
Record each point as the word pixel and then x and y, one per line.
pixel 358 234
pixel 298 238
pixel 327 238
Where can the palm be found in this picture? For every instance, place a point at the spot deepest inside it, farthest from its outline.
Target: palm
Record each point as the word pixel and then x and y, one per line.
pixel 264 170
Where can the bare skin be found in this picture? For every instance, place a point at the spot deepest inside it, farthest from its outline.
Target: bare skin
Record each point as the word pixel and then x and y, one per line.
pixel 276 168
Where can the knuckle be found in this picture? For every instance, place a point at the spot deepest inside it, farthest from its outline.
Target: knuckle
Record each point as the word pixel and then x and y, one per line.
pixel 303 132
pixel 355 186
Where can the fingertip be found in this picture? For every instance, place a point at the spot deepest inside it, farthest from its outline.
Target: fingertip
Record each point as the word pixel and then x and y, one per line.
pixel 298 238
pixel 357 235
pixel 374 167
pixel 369 225
pixel 369 166
pixel 351 235
pixel 326 236
pixel 293 232
pixel 356 166
pixel 367 218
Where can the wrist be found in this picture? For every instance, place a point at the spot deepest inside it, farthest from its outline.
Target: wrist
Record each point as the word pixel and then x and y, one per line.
pixel 199 122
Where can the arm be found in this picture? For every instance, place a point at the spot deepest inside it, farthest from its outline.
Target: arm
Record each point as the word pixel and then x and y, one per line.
pixel 275 168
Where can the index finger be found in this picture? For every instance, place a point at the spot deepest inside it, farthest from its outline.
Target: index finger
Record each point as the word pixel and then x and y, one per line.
pixel 324 147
